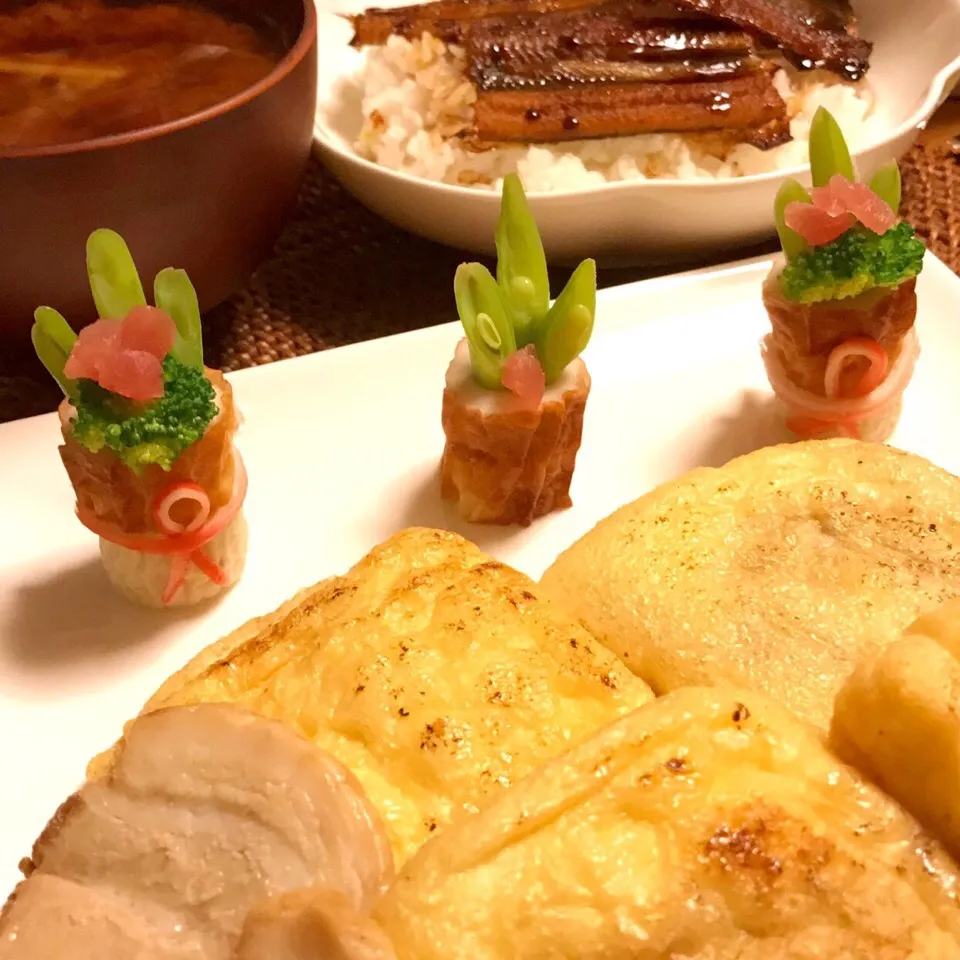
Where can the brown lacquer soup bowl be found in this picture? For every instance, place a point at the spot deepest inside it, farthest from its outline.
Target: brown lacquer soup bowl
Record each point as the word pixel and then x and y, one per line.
pixel 194 135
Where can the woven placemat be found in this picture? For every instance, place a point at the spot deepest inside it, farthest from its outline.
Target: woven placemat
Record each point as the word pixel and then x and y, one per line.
pixel 340 274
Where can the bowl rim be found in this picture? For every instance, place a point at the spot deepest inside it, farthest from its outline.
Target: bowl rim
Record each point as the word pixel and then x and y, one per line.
pixel 306 40
pixel 938 90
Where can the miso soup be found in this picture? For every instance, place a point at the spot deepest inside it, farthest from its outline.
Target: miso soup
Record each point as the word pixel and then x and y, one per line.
pixel 73 70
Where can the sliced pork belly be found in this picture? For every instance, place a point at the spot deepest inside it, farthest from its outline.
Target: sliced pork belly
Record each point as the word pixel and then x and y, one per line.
pixel 56 919
pixel 315 924
pixel 208 810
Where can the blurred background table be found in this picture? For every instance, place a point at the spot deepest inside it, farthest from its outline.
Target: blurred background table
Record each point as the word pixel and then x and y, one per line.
pixel 340 274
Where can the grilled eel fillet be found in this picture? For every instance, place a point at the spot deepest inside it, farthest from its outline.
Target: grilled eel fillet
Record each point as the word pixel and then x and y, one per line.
pixel 820 33
pixel 750 103
pixel 447 20
pixel 612 70
pixel 605 72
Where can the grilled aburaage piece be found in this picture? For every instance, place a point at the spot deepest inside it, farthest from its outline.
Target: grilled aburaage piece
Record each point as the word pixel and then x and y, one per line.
pixel 550 70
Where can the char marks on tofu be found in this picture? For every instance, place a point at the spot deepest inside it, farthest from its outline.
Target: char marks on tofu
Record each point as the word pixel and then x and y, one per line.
pixel 554 70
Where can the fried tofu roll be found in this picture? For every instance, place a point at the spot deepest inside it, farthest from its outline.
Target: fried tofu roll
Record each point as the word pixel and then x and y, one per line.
pixel 516 390
pixel 148 434
pixel 842 302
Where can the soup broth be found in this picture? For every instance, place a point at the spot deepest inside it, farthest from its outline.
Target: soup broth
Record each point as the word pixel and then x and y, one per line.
pixel 73 70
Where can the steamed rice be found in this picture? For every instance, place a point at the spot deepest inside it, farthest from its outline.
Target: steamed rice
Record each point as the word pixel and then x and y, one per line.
pixel 416 100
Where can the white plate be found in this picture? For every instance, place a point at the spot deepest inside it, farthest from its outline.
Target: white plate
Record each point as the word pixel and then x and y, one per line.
pixel 342 450
pixel 913 68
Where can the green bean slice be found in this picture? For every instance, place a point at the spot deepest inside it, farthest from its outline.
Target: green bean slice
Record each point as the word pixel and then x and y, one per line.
pixel 885 183
pixel 114 280
pixel 175 295
pixel 828 149
pixel 521 263
pixel 567 327
pixel 484 319
pixel 55 325
pixel 791 241
pixel 53 340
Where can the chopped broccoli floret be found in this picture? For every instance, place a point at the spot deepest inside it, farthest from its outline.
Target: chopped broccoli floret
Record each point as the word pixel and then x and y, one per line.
pixel 154 434
pixel 853 263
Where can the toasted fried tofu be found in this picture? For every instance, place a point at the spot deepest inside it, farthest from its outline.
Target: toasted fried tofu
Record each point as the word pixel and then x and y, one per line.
pixel 777 572
pixel 434 673
pixel 898 719
pixel 709 825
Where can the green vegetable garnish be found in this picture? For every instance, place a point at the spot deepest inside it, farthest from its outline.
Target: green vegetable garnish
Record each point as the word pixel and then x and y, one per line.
pixel 828 149
pixel 565 331
pixel 173 293
pixel 484 318
pixel 521 263
pixel 790 240
pixel 512 312
pixel 114 281
pixel 857 261
pixel 155 434
pixel 53 340
pixel 885 183
pixel 140 434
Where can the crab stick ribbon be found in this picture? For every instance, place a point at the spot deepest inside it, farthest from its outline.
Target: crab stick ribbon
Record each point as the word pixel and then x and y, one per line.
pixel 877 369
pixel 176 494
pixel 182 541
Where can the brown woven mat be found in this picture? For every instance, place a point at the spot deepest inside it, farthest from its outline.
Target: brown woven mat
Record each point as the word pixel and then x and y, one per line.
pixel 340 274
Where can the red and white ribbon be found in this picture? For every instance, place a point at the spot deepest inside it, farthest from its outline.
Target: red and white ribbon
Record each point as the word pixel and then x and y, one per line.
pixel 811 415
pixel 182 542
pixel 175 495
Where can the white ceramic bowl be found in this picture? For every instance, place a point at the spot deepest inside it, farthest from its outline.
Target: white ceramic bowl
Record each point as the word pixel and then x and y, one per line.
pixel 915 63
